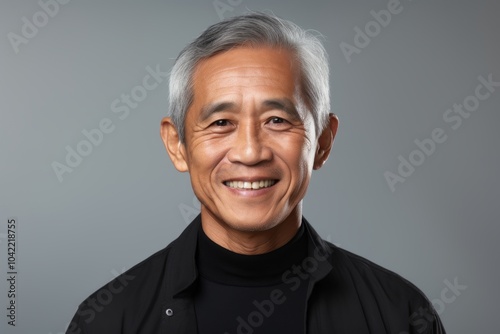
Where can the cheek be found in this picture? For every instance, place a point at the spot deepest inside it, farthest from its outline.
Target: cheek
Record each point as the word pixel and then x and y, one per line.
pixel 205 157
pixel 298 156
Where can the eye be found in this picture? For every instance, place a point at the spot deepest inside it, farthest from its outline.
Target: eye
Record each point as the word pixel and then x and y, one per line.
pixel 278 123
pixel 221 126
pixel 277 120
pixel 221 122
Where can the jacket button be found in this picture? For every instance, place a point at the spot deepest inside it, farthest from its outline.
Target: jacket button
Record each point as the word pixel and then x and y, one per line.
pixel 169 312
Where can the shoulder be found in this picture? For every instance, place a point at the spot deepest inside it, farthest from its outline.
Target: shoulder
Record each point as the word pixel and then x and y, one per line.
pixel 380 280
pixel 134 299
pixel 358 274
pixel 110 307
pixel 378 290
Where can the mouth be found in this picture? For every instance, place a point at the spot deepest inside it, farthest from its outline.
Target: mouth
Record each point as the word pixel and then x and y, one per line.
pixel 250 185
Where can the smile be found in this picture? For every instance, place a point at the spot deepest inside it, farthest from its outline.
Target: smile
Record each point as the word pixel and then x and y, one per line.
pixel 255 185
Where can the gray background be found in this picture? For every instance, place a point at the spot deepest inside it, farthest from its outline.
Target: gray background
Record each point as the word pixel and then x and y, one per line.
pixel 125 200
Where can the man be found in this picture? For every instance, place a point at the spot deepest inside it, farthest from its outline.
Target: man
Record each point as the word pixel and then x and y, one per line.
pixel 249 120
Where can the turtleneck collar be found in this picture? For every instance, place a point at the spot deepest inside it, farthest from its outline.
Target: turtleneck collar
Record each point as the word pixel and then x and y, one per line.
pixel 221 265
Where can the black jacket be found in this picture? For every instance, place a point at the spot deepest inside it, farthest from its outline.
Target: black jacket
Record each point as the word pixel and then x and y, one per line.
pixel 346 294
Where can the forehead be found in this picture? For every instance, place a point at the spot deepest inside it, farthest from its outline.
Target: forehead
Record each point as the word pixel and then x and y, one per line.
pixel 246 67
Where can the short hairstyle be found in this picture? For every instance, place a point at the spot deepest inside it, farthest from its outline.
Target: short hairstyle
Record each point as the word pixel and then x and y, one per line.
pixel 254 29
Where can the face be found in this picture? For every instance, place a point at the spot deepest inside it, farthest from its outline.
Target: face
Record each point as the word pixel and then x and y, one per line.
pixel 250 142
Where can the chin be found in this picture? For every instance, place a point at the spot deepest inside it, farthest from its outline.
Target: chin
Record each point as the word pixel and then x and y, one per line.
pixel 254 224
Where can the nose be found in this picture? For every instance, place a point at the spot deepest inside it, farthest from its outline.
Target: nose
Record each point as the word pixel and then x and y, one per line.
pixel 250 146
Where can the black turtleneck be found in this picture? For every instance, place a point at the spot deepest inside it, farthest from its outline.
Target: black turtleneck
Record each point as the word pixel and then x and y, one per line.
pixel 247 294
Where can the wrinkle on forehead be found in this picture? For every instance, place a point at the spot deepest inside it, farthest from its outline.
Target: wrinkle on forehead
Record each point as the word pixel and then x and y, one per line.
pixel 225 65
pixel 231 72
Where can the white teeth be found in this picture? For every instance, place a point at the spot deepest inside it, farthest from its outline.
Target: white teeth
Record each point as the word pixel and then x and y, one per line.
pixel 250 185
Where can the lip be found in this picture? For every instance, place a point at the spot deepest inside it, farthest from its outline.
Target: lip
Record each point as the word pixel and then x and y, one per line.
pixel 251 179
pixel 250 192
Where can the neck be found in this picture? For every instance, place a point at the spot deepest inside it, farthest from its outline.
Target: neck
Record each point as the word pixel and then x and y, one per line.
pixel 251 242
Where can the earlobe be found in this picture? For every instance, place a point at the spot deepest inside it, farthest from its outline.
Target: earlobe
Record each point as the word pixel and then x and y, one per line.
pixel 175 148
pixel 325 141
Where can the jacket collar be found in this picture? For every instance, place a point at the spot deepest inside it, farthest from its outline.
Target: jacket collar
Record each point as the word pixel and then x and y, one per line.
pixel 182 272
pixel 320 253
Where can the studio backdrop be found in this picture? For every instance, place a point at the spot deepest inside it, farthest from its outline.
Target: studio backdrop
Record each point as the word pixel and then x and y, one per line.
pixel 87 189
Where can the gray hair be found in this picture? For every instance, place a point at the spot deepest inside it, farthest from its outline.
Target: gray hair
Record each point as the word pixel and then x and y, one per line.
pixel 254 29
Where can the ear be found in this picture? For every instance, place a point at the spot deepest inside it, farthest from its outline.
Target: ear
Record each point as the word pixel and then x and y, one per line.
pixel 175 148
pixel 325 141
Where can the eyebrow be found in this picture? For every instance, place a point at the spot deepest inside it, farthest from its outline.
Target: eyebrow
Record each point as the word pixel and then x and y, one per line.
pixel 283 104
pixel 210 109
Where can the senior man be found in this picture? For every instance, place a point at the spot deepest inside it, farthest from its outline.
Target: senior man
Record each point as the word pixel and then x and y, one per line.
pixel 249 121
